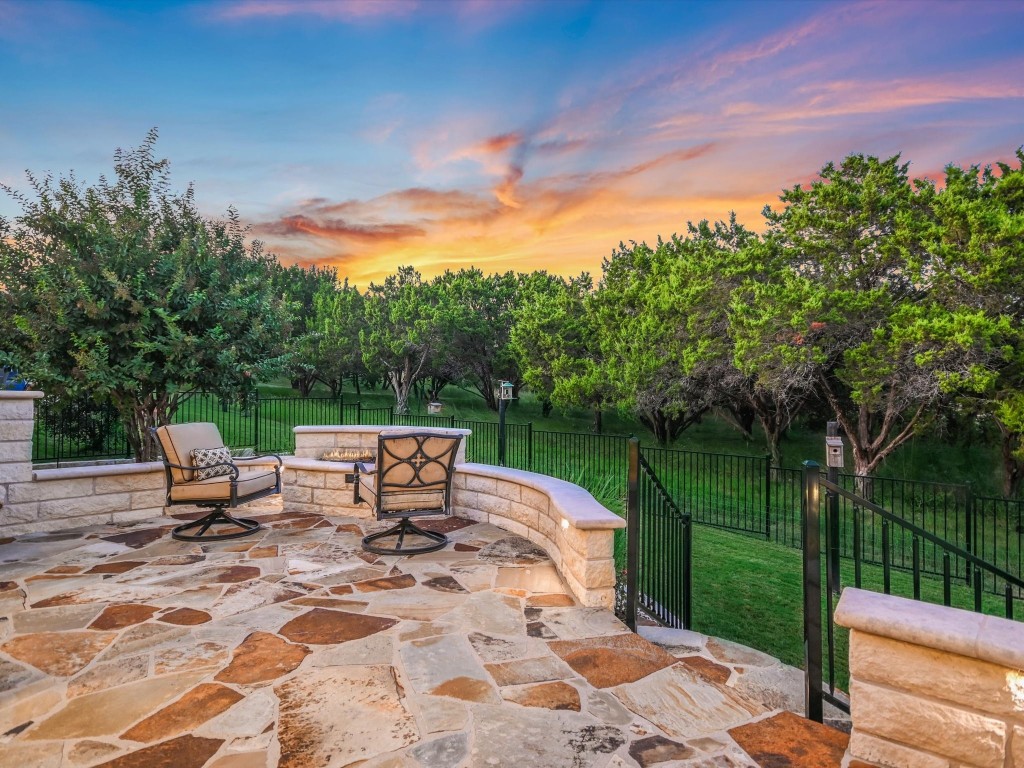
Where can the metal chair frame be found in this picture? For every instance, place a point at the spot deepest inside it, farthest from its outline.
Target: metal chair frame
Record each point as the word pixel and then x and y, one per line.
pixel 218 516
pixel 417 462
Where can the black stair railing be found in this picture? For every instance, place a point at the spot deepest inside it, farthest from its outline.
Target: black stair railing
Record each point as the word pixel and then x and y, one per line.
pixel 893 528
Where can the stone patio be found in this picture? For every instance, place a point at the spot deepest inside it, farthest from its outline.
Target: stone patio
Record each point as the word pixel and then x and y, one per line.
pixel 121 647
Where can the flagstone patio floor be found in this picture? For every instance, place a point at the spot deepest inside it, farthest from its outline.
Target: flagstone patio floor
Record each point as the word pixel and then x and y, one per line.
pixel 122 647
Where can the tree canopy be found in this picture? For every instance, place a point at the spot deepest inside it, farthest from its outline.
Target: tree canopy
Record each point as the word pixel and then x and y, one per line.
pixel 889 304
pixel 122 292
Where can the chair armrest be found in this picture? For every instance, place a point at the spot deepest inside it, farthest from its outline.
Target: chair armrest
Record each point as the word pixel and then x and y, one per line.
pixel 193 468
pixel 280 463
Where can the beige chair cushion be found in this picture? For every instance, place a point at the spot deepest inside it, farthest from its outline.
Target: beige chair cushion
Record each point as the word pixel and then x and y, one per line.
pixel 404 501
pixel 219 488
pixel 179 440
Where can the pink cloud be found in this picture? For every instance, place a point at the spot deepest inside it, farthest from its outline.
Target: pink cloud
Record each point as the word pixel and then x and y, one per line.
pixel 334 10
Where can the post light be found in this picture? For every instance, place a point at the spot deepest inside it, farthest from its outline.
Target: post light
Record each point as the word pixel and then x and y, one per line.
pixel 834 461
pixel 506 392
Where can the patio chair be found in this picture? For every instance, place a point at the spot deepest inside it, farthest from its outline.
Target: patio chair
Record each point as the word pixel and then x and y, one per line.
pixel 412 476
pixel 201 472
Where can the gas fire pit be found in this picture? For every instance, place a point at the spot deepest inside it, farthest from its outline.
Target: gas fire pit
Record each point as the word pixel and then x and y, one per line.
pixel 347 454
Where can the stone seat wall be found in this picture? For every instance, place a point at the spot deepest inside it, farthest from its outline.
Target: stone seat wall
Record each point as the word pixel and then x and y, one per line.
pixel 576 531
pixel 932 686
pixel 563 519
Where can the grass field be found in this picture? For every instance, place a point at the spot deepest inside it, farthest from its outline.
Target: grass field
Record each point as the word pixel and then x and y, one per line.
pixel 751 591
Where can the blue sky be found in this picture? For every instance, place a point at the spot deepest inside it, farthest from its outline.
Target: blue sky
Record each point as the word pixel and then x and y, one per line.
pixel 503 134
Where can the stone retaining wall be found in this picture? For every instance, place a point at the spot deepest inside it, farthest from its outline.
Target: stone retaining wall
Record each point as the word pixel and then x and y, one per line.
pixel 933 687
pixel 576 531
pixel 562 518
pixel 50 499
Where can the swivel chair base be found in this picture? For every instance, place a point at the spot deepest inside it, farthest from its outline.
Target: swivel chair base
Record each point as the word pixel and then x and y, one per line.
pixel 218 516
pixel 404 528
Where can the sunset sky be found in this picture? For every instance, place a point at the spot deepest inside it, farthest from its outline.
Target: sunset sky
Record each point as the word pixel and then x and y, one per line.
pixel 368 134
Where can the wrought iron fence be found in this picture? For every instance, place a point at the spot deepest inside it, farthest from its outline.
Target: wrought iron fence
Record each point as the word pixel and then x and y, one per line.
pixel 77 430
pixel 659 548
pixel 903 545
pixel 740 493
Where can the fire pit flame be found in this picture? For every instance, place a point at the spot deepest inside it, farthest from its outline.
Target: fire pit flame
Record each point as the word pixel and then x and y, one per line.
pixel 347 454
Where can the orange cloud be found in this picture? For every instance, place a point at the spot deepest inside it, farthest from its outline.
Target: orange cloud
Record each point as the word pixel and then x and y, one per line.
pixel 563 223
pixel 339 230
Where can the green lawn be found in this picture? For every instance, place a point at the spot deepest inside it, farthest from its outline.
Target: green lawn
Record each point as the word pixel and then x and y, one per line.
pixel 751 591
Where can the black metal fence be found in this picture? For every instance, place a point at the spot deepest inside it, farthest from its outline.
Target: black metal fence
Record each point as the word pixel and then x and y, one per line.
pixel 894 563
pixel 659 548
pixel 740 493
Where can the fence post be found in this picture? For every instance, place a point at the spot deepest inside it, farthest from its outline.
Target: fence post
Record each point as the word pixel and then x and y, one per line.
pixel 529 445
pixel 832 519
pixel 256 424
pixel 970 529
pixel 502 405
pixel 810 507
pixel 768 497
pixel 632 531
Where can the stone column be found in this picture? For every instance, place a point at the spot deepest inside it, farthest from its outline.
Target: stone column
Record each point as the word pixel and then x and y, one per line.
pixel 17 418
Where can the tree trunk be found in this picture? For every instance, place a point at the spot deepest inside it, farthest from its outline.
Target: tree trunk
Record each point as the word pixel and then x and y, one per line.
pixel 598 420
pixel 141 418
pixel 355 383
pixel 304 383
pixel 546 407
pixel 741 417
pixel 1013 466
pixel 401 390
pixel 486 388
pixel 437 385
pixel 402 381
pixel 667 428
pixel 871 440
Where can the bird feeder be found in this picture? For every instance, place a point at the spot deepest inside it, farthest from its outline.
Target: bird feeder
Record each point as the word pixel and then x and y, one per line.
pixel 507 389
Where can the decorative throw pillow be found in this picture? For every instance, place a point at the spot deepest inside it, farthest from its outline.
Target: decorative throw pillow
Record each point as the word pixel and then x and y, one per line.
pixel 204 458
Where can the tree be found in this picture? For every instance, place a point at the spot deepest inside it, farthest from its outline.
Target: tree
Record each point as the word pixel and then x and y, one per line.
pixel 298 287
pixel 402 331
pixel 478 310
pixel 555 340
pixel 976 247
pixel 123 292
pixel 850 310
pixel 642 307
pixel 334 333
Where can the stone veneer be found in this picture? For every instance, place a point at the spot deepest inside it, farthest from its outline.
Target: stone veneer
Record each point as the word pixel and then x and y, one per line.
pixel 563 519
pixel 312 442
pixel 933 687
pixel 49 499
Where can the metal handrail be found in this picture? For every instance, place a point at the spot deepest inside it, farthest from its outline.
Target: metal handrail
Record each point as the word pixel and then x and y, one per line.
pixel 919 531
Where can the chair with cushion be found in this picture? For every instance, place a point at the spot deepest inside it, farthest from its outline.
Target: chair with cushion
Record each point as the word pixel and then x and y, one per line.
pixel 201 472
pixel 412 476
